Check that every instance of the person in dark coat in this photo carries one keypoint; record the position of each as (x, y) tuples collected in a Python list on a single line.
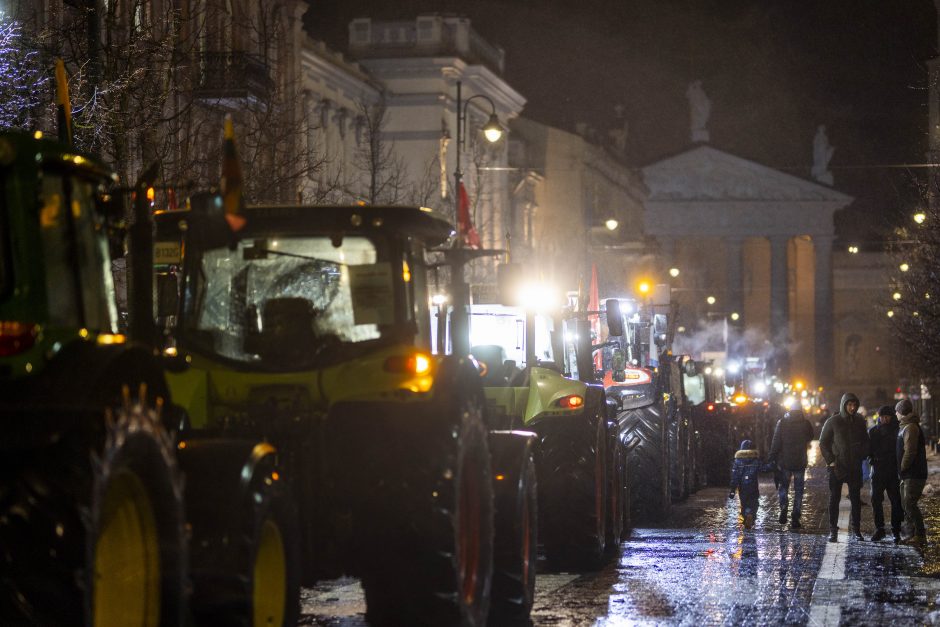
[(744, 479), (912, 468), (788, 452), (844, 444), (883, 438)]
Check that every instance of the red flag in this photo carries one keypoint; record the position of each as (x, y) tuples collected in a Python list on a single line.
[(594, 304), (465, 229)]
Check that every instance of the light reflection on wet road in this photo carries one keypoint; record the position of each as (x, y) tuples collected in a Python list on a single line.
[(701, 569)]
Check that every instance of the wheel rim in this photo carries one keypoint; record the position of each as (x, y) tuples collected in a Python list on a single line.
[(468, 530), (270, 577), (127, 557)]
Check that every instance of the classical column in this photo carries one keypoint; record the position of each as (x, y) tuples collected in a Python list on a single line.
[(823, 307), (779, 301), (733, 246)]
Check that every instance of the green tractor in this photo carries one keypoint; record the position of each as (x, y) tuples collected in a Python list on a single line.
[(581, 457), (92, 527), (308, 328)]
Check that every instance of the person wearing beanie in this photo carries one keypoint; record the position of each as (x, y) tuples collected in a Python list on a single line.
[(844, 444), (744, 479), (788, 453), (911, 453), (883, 457)]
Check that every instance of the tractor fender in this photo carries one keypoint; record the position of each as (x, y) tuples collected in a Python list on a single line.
[(225, 478), (508, 452), (83, 372)]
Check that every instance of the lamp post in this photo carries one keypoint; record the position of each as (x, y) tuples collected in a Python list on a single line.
[(458, 255)]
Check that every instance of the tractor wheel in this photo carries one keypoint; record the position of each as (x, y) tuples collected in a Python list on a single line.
[(516, 551), (617, 503), (435, 563), (275, 574), (649, 463), (573, 493), (136, 547)]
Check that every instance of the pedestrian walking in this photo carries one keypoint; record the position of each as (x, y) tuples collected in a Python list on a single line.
[(844, 444), (912, 468), (788, 454), (744, 478), (883, 438)]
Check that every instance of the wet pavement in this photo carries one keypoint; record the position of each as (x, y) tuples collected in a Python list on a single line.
[(701, 568)]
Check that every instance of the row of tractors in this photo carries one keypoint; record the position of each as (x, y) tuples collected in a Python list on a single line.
[(275, 413), (273, 416)]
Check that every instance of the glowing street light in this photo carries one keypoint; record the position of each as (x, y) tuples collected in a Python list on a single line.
[(890, 313), (611, 224), (643, 287), (673, 272), (920, 217), (710, 300), (896, 296), (904, 267), (735, 316), (853, 249)]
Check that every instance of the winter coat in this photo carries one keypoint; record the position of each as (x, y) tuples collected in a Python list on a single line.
[(911, 449), (844, 442), (883, 439), (791, 437), (744, 472)]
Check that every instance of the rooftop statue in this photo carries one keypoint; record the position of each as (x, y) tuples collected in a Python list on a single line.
[(700, 108), (822, 154)]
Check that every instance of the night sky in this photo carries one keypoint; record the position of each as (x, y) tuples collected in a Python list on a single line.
[(772, 71)]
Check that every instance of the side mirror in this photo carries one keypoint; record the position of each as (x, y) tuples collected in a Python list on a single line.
[(614, 317)]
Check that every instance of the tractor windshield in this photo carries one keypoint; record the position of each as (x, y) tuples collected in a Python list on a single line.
[(286, 301)]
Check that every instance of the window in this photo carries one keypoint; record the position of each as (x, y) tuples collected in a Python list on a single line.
[(287, 301)]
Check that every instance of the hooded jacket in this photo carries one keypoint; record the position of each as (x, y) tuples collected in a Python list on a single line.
[(911, 449), (744, 471), (791, 437), (883, 439), (844, 442)]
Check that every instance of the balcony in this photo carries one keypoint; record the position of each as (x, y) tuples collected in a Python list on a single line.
[(233, 76)]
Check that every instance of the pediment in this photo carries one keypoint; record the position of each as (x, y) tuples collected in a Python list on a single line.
[(708, 174)]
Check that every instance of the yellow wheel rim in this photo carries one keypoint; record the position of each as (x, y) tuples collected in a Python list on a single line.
[(270, 580), (127, 557)]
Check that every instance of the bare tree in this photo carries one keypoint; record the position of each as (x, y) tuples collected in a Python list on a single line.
[(25, 85), (914, 301)]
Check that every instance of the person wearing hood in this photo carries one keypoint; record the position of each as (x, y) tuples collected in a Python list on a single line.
[(883, 456), (744, 479), (844, 444), (911, 452), (788, 452)]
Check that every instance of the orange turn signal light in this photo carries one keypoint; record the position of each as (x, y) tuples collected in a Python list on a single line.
[(418, 363)]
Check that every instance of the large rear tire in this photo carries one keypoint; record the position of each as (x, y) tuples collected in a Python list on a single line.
[(617, 496), (433, 563), (136, 547), (516, 541), (649, 463), (573, 492)]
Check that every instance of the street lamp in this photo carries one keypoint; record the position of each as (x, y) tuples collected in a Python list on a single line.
[(920, 217), (460, 291), (493, 131), (710, 300), (674, 272), (611, 224)]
